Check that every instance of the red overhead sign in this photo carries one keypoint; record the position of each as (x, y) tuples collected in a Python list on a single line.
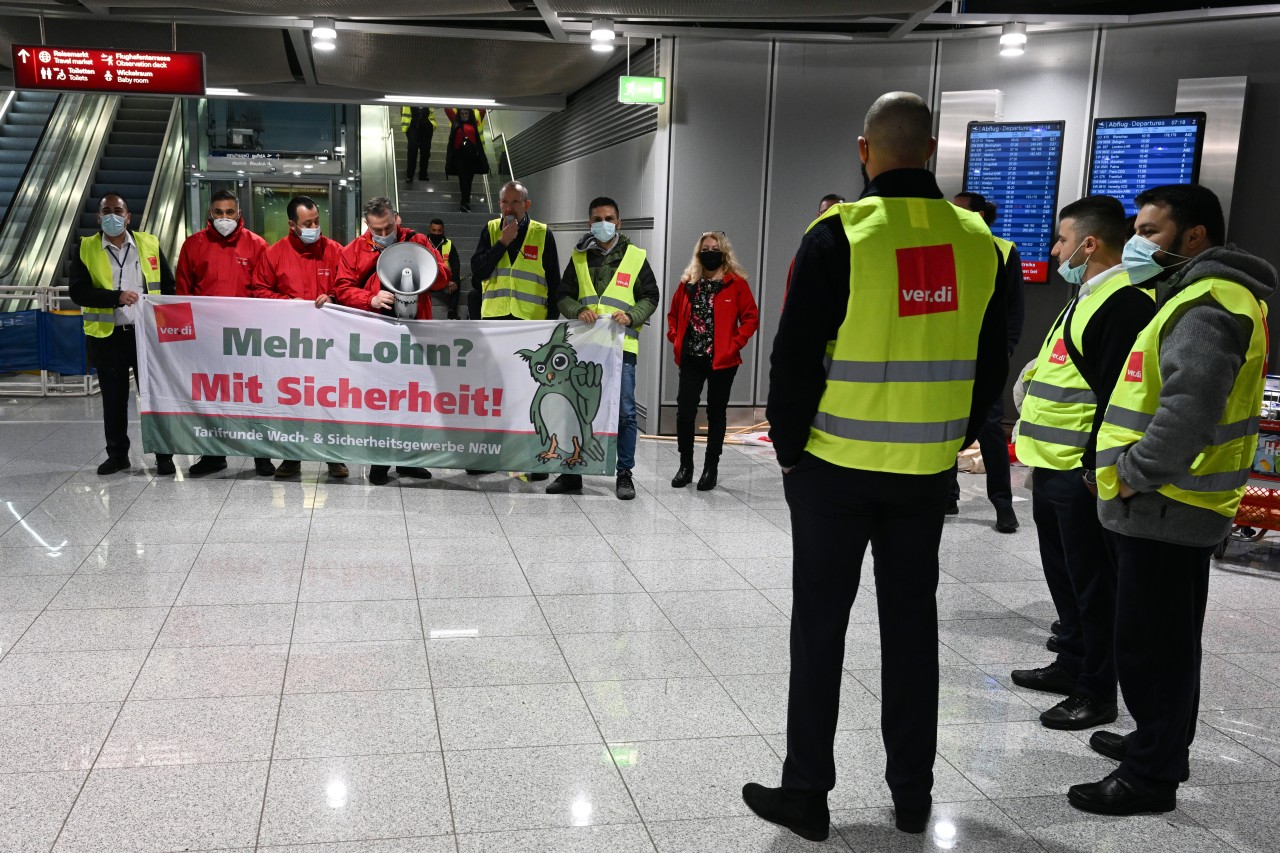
[(82, 69)]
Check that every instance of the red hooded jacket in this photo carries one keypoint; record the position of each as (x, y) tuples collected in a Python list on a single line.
[(212, 265), (736, 320), (358, 279), (291, 269)]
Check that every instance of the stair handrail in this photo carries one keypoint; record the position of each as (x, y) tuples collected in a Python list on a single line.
[(164, 208), (4, 108), (81, 133)]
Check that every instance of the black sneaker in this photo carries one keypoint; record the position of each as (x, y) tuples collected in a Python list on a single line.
[(413, 471), (538, 477), (1006, 520), (803, 812), (626, 488), (208, 465), (378, 474), (564, 484), (264, 467), (1053, 678), (114, 464), (164, 465)]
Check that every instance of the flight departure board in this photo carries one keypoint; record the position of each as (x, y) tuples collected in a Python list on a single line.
[(1134, 154), (1016, 167)]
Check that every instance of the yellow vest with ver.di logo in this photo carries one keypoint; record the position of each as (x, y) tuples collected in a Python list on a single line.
[(620, 295), (517, 289), (1059, 409), (100, 322), (1217, 476), (900, 371)]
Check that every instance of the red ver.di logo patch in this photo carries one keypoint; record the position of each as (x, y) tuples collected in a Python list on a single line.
[(926, 280), (624, 279), (1133, 370), (174, 323), (530, 253), (1059, 354)]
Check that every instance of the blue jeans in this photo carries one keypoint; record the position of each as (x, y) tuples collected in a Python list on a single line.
[(627, 430)]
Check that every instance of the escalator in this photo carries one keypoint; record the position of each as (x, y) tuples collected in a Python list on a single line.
[(20, 132)]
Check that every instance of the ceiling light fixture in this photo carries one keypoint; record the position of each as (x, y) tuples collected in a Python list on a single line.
[(602, 35), (1013, 39), (215, 92), (431, 99), (324, 34)]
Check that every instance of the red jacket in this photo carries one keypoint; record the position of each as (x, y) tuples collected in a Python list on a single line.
[(291, 269), (358, 279), (736, 320), (212, 265)]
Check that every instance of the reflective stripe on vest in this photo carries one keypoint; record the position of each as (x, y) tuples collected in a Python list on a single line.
[(1217, 476), (615, 296), (1059, 409), (100, 322), (900, 372), (517, 289)]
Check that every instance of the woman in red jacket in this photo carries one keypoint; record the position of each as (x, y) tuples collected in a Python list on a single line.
[(712, 316)]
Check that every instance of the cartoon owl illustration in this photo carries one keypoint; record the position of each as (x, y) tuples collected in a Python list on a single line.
[(566, 401)]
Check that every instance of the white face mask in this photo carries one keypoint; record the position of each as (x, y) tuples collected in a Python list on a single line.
[(225, 227), (113, 225), (603, 231), (308, 235)]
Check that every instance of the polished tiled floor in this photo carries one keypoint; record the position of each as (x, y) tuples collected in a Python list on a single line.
[(468, 664)]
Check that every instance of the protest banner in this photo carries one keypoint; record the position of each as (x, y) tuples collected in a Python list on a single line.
[(268, 378)]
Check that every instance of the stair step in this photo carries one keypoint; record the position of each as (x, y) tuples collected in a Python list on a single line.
[(150, 152)]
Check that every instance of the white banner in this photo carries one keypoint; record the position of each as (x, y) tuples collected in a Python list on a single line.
[(270, 378)]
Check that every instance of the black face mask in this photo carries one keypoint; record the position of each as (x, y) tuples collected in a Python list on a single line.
[(437, 240), (711, 259)]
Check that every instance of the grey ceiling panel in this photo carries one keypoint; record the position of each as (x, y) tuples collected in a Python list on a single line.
[(14, 30), (729, 10), (458, 67), (380, 10)]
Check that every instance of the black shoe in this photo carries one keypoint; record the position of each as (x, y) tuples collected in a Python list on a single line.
[(476, 472), (288, 468), (538, 478), (378, 474), (1116, 746), (408, 182), (1055, 628), (1006, 521), (207, 465), (683, 477), (264, 468), (1078, 712), (707, 481), (803, 812), (164, 465), (626, 487), (413, 471), (953, 508), (564, 484), (1110, 744), (1115, 796), (1053, 645), (914, 821), (114, 464), (1053, 678)]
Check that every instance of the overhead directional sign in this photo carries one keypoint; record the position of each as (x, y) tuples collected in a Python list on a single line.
[(82, 69), (642, 90)]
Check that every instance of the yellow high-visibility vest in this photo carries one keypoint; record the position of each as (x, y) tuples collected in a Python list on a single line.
[(100, 322), (900, 371), (619, 295), (519, 288)]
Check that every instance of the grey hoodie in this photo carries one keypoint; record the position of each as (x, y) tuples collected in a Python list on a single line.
[(1202, 350)]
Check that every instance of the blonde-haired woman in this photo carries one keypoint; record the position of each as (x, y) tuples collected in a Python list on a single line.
[(712, 316)]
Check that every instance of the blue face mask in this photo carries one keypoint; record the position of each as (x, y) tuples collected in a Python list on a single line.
[(113, 225), (1073, 275), (309, 235), (1140, 262), (603, 231)]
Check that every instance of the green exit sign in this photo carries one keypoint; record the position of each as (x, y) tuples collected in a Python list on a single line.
[(642, 90)]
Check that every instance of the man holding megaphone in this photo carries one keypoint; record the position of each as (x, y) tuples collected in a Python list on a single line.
[(360, 286)]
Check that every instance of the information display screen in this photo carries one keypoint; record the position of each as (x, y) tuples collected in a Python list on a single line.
[(1130, 155), (1016, 167)]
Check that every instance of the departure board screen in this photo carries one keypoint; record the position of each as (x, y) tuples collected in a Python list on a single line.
[(1016, 167), (1134, 154)]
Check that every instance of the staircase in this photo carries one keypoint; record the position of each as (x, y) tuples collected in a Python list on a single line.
[(128, 162), (20, 133)]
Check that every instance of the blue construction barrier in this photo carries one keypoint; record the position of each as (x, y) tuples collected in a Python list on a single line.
[(40, 340)]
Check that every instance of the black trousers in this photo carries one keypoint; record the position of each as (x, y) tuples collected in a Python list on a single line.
[(464, 187), (113, 357), (994, 445), (835, 512), (694, 374), (418, 144), (1079, 565), (1161, 593)]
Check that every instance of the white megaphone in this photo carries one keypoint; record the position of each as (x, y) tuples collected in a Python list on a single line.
[(407, 270)]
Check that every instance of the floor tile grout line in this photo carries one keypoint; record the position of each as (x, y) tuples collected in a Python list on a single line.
[(123, 702), (431, 686), (284, 675)]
